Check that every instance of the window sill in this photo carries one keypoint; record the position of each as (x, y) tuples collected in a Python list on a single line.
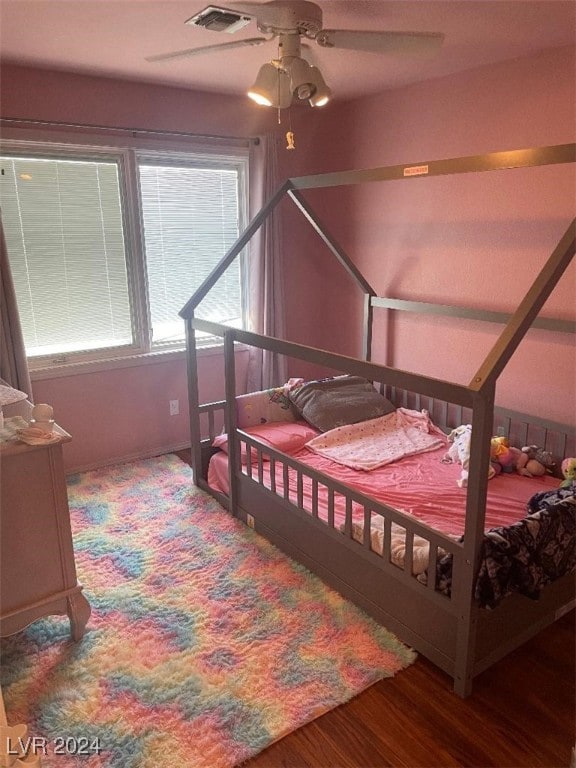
[(130, 361)]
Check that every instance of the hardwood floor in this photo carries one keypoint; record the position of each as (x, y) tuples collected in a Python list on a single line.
[(520, 715)]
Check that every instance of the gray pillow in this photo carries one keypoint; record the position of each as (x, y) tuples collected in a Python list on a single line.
[(330, 403)]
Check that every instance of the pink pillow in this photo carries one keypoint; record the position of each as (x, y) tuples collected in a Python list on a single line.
[(288, 437)]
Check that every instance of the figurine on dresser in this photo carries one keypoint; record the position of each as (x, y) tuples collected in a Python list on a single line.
[(41, 427)]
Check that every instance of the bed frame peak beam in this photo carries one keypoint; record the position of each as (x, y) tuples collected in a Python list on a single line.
[(346, 262), (321, 230), (527, 311), (187, 310), (492, 161)]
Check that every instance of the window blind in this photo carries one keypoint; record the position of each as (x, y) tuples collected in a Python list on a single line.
[(64, 233), (190, 220)]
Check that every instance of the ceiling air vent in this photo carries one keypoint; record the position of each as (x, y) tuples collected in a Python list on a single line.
[(219, 19)]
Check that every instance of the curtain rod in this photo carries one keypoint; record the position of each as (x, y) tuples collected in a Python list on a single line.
[(133, 131)]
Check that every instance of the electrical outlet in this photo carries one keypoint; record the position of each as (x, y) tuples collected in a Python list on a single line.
[(174, 407), (250, 521)]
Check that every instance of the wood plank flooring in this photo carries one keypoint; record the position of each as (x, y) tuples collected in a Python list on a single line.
[(520, 715)]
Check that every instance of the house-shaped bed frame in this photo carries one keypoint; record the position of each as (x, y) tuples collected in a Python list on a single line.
[(453, 632)]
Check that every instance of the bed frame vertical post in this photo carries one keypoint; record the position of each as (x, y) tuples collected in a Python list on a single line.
[(466, 607), (367, 327), (194, 401), (230, 418)]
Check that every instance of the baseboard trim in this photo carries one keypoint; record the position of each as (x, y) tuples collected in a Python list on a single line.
[(126, 458)]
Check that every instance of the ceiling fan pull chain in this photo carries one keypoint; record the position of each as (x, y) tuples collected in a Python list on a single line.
[(278, 81)]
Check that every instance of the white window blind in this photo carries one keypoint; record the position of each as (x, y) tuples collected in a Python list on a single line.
[(191, 219), (64, 231), (106, 245)]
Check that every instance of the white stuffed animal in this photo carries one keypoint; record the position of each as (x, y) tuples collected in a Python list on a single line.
[(459, 452)]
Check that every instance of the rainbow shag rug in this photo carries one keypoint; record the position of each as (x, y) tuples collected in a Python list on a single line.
[(205, 645)]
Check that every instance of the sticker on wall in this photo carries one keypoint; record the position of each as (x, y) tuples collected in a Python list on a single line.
[(416, 170)]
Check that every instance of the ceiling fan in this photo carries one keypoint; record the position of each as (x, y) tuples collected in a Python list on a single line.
[(290, 76)]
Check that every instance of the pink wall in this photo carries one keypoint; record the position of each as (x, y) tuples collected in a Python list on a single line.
[(123, 413), (475, 240), (324, 312), (466, 240), (59, 96)]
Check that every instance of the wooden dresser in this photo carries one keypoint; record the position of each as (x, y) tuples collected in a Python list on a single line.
[(37, 569)]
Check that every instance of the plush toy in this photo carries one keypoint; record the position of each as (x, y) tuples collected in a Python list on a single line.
[(459, 452), (530, 461), (534, 462), (569, 471), (503, 458)]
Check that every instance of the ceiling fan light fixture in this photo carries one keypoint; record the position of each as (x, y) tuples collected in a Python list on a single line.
[(304, 91), (301, 82), (271, 88), (322, 93)]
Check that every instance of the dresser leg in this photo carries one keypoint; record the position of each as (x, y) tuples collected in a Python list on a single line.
[(78, 612)]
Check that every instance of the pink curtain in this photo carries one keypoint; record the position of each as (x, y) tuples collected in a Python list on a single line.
[(13, 362), (265, 268)]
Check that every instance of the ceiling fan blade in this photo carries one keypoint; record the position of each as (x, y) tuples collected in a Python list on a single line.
[(381, 42), (250, 41)]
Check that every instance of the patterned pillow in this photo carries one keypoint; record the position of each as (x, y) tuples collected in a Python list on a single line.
[(263, 407)]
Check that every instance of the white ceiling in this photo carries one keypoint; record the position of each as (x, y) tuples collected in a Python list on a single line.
[(111, 38)]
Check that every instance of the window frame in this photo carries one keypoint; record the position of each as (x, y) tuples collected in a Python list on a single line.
[(128, 156)]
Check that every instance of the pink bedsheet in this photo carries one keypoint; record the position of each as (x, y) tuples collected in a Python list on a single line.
[(419, 485)]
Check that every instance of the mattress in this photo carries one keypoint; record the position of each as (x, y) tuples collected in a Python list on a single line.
[(421, 486)]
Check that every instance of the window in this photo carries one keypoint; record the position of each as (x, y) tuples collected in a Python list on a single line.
[(106, 246)]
